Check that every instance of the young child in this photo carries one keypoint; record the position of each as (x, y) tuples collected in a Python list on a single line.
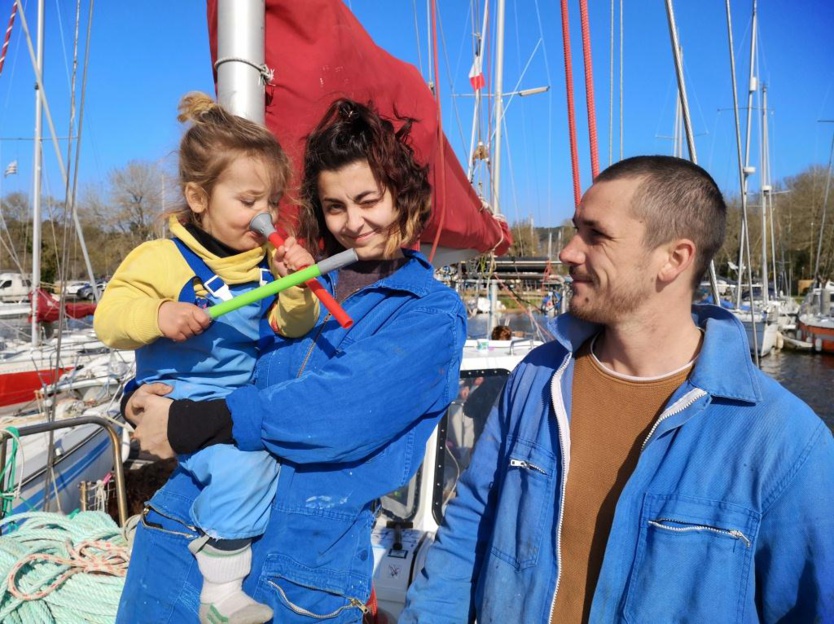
[(230, 169)]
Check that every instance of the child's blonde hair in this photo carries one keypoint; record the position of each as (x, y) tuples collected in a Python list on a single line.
[(215, 138)]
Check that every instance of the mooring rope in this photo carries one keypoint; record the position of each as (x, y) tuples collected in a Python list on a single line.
[(57, 568)]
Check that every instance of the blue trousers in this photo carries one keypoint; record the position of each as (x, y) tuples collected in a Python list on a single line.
[(237, 488)]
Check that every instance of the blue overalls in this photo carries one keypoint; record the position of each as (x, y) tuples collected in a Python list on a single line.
[(237, 486)]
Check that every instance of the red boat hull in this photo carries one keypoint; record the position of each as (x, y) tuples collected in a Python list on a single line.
[(17, 388), (822, 338)]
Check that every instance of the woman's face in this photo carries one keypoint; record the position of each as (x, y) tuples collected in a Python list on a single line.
[(356, 211)]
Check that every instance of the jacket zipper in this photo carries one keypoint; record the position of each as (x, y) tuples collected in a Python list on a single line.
[(685, 401), (520, 463), (564, 444), (686, 527), (353, 603)]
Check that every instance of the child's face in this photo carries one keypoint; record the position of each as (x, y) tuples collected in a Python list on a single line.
[(242, 191)]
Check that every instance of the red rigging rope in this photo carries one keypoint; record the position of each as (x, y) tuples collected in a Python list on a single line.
[(574, 155), (441, 160), (8, 36), (589, 86)]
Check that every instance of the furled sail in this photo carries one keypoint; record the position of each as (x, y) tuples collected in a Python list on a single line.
[(319, 52)]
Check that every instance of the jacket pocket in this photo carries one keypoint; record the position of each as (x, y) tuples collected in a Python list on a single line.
[(523, 499), (693, 561), (321, 596)]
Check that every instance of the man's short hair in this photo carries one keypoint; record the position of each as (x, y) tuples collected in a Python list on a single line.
[(677, 199)]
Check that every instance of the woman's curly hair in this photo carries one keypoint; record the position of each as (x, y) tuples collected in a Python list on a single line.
[(352, 132)]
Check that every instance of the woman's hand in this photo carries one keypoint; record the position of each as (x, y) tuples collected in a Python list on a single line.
[(148, 410)]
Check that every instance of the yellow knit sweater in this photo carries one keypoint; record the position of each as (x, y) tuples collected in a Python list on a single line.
[(155, 272)]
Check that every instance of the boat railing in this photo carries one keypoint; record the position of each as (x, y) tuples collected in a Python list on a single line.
[(115, 443), (522, 342)]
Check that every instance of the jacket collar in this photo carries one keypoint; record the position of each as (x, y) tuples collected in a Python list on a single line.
[(724, 367)]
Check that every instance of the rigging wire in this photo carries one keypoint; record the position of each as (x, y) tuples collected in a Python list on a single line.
[(744, 235), (417, 37), (7, 37), (621, 79), (574, 155), (450, 77), (611, 88), (589, 86), (550, 150), (690, 139), (441, 156), (817, 276)]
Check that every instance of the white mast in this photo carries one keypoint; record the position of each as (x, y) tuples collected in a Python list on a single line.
[(240, 57), (36, 191), (765, 199), (496, 159), (476, 110)]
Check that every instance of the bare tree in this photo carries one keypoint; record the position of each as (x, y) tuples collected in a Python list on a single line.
[(136, 199), (525, 239)]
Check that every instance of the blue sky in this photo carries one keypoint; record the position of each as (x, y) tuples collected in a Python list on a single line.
[(144, 56)]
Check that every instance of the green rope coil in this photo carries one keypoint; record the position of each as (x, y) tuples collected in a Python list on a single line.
[(56, 568)]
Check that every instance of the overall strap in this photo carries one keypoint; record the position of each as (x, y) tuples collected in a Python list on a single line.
[(266, 335), (217, 287), (211, 281)]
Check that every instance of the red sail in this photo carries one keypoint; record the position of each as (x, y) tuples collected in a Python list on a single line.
[(319, 52)]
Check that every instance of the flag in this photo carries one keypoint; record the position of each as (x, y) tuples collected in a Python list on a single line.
[(476, 74), (11, 169)]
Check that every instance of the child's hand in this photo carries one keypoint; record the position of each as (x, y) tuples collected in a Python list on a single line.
[(179, 321), (290, 256)]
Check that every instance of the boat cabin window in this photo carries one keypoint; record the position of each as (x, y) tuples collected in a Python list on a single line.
[(461, 428), (457, 434)]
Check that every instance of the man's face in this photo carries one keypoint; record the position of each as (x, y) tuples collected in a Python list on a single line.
[(613, 273)]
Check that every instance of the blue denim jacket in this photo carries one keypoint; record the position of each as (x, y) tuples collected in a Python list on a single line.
[(348, 412), (728, 516)]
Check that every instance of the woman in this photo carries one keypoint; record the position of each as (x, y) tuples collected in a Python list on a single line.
[(347, 412)]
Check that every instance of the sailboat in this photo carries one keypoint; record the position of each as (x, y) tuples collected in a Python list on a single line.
[(58, 395), (816, 318), (815, 322), (761, 312)]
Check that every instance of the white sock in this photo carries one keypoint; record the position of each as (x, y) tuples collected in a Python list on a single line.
[(222, 599)]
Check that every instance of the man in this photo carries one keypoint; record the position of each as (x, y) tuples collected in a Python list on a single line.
[(639, 468)]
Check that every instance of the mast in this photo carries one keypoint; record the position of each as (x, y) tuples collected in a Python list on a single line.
[(687, 124), (241, 73), (499, 121), (479, 51), (36, 191), (765, 199)]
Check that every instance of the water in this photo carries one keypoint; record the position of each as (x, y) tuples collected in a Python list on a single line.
[(810, 376)]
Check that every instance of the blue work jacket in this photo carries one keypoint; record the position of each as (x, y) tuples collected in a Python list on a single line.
[(728, 516), (348, 412)]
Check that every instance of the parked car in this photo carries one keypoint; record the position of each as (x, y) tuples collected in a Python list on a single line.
[(71, 288), (14, 287), (86, 291)]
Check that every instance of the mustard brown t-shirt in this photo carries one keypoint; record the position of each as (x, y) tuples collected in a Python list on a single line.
[(611, 415)]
